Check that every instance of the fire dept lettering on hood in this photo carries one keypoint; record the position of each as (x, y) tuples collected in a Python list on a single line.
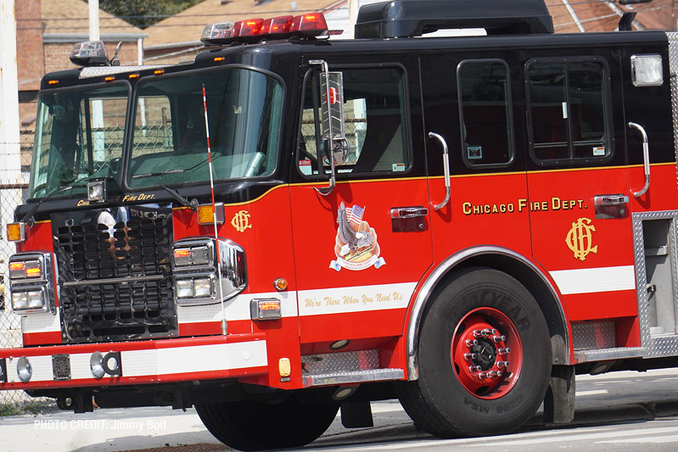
[(523, 205), (355, 246)]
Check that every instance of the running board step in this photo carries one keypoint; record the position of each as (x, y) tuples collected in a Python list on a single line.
[(360, 376), (605, 354)]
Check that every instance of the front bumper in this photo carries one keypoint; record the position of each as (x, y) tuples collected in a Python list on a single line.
[(141, 362)]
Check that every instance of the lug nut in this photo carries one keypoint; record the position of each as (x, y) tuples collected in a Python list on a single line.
[(494, 331), (471, 342), (468, 356), (486, 332), (504, 351), (482, 375), (474, 368), (498, 339), (501, 364)]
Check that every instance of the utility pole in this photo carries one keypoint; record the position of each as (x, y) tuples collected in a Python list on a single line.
[(94, 20), (10, 149)]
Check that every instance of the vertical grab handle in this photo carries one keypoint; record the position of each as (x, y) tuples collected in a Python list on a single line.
[(646, 159), (446, 170)]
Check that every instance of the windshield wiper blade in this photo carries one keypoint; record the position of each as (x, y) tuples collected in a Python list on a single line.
[(29, 215), (160, 173), (192, 204)]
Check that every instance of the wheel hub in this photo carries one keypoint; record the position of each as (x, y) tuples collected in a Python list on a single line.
[(480, 353)]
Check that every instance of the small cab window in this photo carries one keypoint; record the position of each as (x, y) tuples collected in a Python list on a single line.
[(485, 113), (568, 118), (376, 126)]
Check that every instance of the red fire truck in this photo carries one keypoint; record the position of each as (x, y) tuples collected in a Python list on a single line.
[(290, 225)]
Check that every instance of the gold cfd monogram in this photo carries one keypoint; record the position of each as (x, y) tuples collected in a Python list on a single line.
[(580, 239), (241, 221)]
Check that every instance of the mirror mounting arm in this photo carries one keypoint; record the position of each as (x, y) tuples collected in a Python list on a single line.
[(324, 191)]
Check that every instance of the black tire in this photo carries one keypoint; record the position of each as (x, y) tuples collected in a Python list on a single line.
[(448, 401), (254, 425)]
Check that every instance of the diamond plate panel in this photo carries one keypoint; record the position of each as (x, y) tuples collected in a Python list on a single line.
[(594, 335), (338, 363)]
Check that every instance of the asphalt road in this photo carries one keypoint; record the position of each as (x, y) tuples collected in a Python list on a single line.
[(622, 411)]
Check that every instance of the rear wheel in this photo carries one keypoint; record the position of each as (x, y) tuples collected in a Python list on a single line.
[(484, 358), (259, 425)]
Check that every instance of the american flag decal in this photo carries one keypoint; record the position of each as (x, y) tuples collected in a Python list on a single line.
[(355, 215)]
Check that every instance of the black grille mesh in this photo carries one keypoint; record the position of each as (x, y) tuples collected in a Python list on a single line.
[(115, 274)]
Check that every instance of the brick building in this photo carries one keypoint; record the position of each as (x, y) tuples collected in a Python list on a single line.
[(46, 33)]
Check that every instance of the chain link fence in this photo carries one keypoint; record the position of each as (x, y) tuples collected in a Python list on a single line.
[(12, 191)]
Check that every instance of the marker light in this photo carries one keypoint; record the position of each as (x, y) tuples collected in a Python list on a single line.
[(310, 25), (25, 269), (16, 232), (206, 213), (196, 255), (265, 309)]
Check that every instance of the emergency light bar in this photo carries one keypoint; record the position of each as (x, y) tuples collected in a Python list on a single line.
[(255, 30), (90, 53)]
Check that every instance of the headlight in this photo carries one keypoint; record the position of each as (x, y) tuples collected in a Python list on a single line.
[(19, 301), (31, 283), (198, 287), (29, 300)]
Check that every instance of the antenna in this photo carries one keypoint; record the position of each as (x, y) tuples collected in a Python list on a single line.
[(214, 213)]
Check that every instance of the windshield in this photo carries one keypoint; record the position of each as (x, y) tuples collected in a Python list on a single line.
[(170, 138), (79, 137)]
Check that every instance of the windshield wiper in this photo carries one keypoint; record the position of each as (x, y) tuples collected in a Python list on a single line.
[(192, 204), (29, 215), (160, 173)]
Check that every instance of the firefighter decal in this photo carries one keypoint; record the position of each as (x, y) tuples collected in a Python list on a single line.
[(356, 246)]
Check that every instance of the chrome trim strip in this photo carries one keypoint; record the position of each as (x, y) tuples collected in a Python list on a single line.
[(429, 285), (354, 377), (127, 279)]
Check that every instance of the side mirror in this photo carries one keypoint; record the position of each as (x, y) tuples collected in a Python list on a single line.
[(333, 127)]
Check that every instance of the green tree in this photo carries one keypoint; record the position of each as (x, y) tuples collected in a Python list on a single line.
[(144, 13)]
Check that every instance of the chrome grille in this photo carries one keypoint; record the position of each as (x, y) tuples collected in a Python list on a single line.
[(114, 273)]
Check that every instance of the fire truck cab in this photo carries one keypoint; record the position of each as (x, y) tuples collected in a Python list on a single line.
[(290, 225)]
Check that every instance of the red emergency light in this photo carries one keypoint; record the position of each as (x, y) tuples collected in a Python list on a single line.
[(278, 26), (256, 30), (248, 30)]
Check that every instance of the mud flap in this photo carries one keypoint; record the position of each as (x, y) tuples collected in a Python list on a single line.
[(559, 400)]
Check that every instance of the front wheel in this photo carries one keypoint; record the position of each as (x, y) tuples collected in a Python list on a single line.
[(259, 425), (484, 358)]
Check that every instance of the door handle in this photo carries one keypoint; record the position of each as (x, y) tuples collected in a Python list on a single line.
[(446, 170), (646, 159), (610, 206), (408, 212), (610, 200)]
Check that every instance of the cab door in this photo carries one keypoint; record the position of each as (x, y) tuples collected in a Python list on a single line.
[(579, 195), (362, 245)]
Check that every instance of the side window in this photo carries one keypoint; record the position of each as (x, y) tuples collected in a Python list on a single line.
[(376, 125), (568, 118), (485, 113), (153, 125)]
